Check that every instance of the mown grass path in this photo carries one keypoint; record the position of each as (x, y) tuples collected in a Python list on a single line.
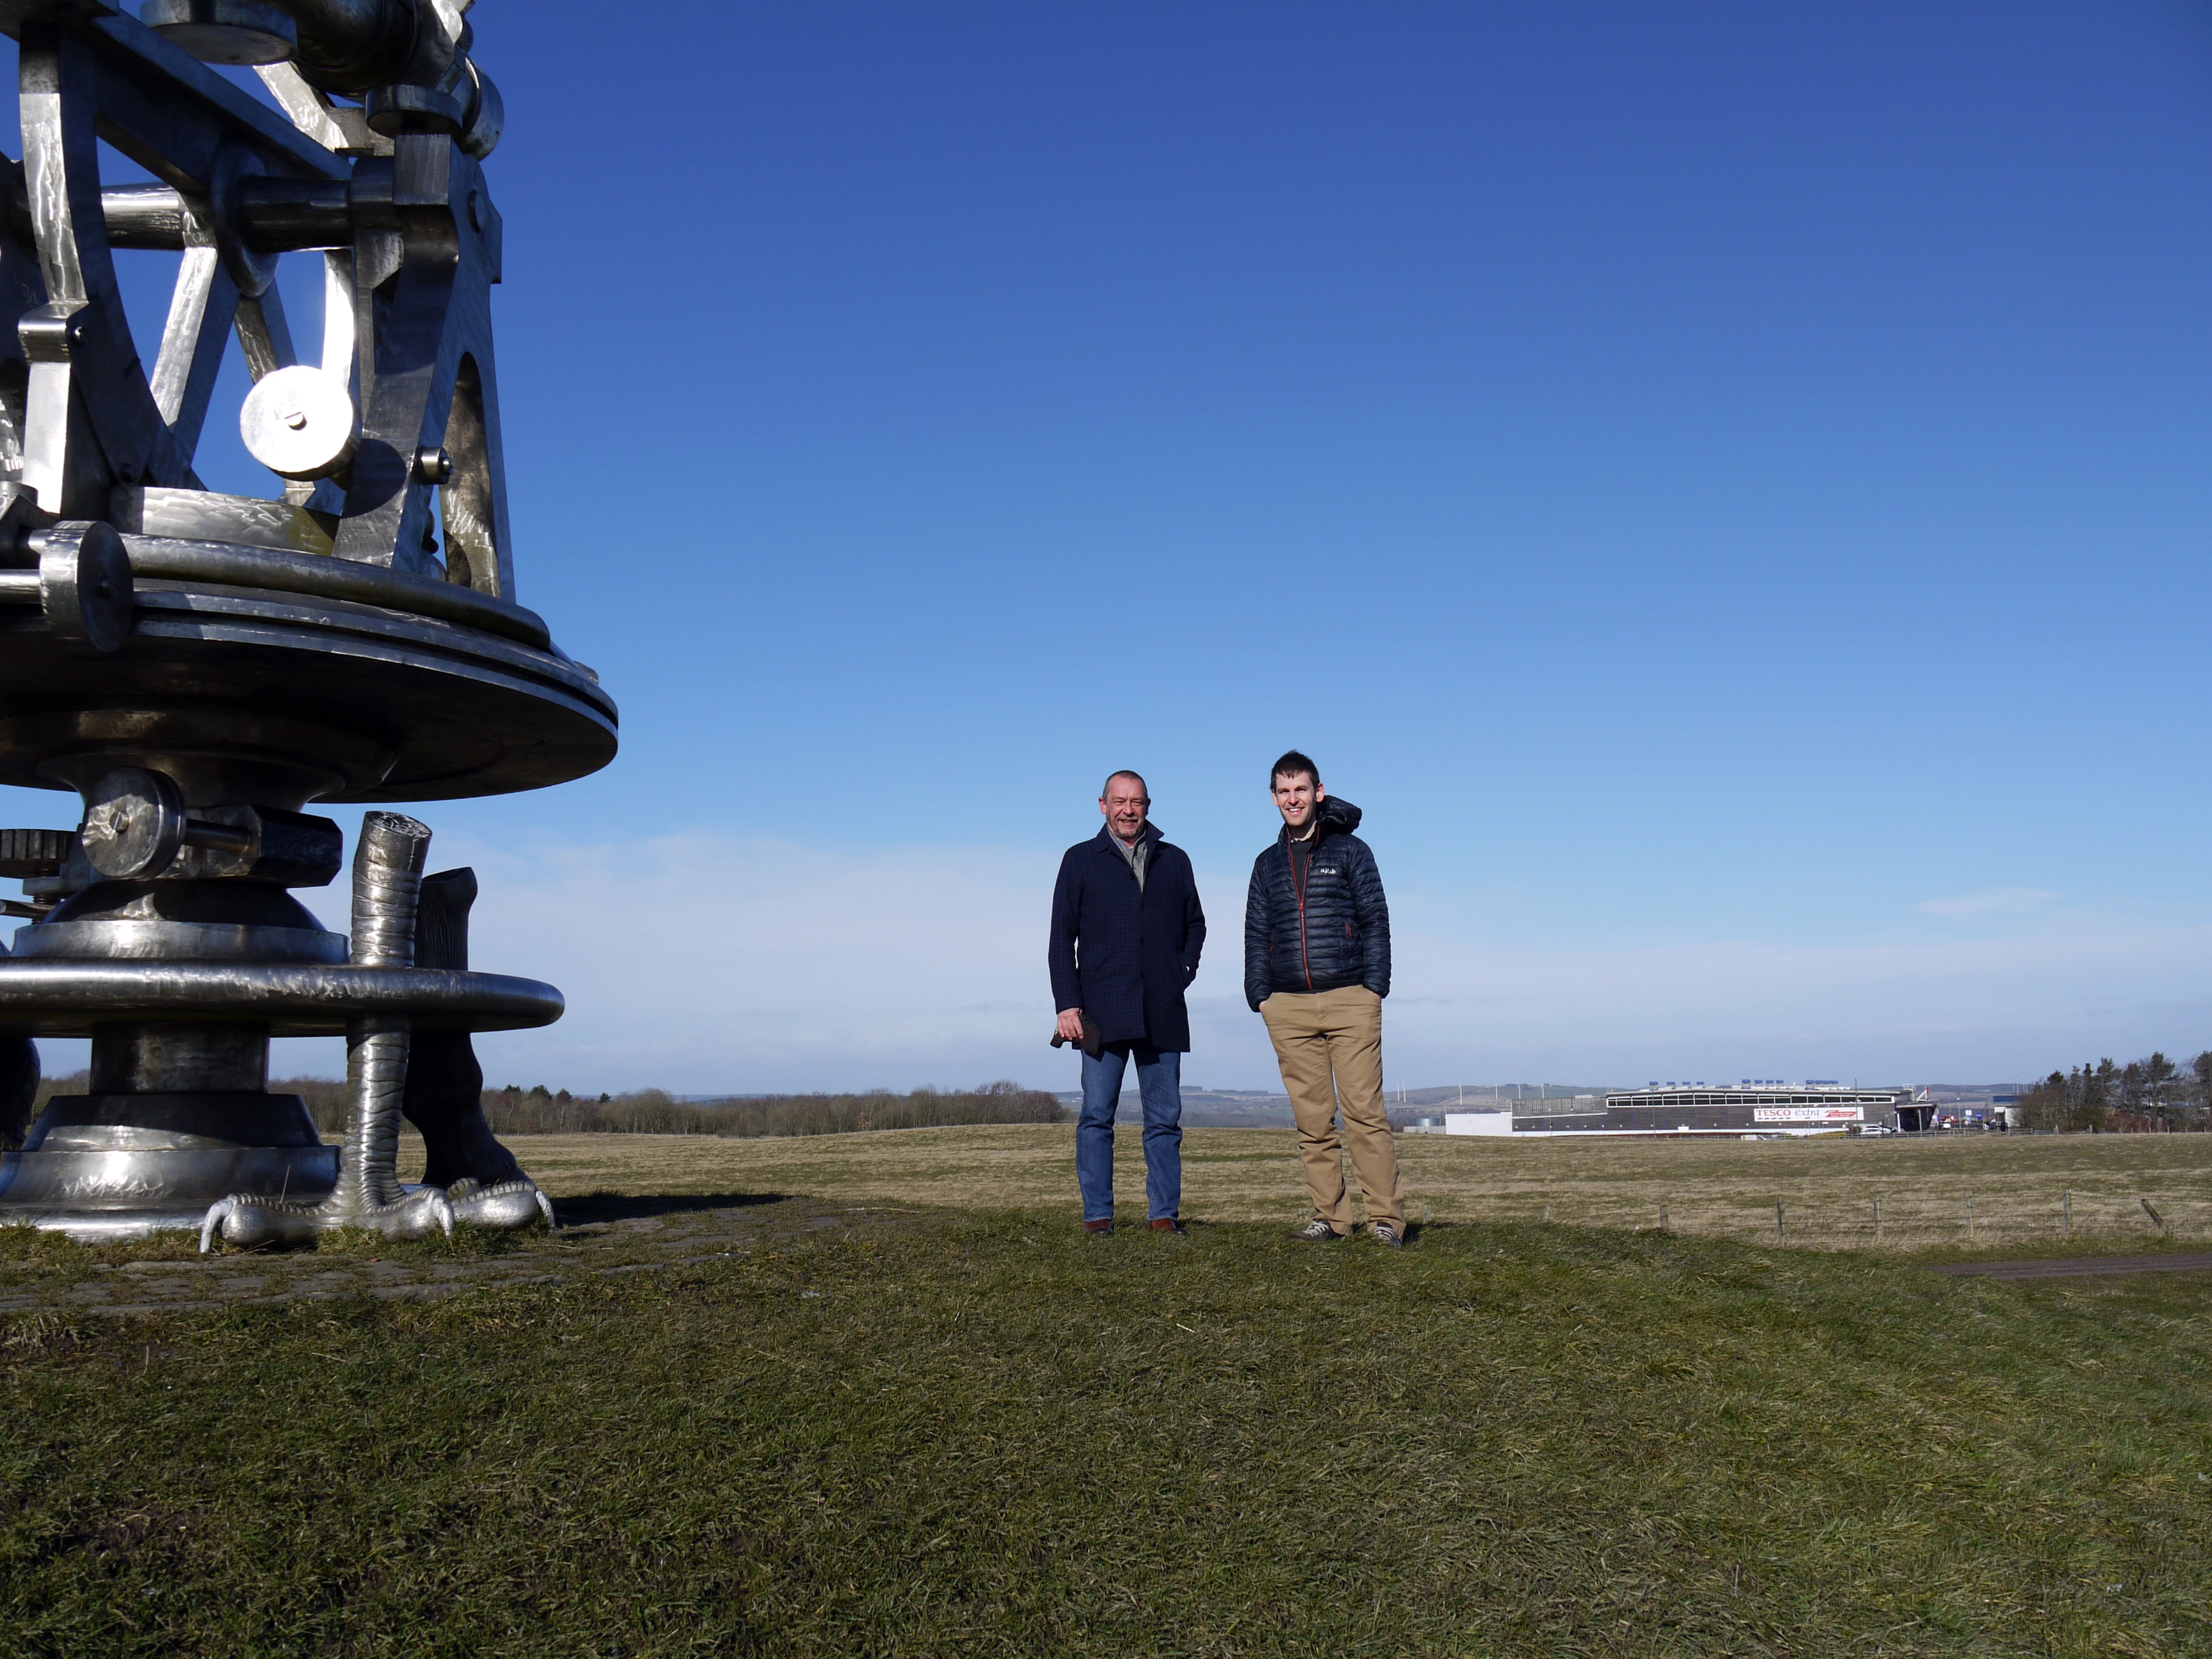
[(983, 1434)]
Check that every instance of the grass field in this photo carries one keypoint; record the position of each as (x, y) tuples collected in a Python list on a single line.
[(930, 1430), (1717, 1188)]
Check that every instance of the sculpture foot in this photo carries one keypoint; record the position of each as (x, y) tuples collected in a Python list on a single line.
[(248, 1222), (504, 1205)]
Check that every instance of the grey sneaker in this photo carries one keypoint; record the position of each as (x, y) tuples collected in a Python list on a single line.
[(1317, 1231), (1384, 1233)]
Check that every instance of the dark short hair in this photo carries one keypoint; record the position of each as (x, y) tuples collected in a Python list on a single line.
[(1107, 787), (1293, 762)]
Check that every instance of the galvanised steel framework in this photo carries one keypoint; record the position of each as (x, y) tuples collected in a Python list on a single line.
[(202, 668)]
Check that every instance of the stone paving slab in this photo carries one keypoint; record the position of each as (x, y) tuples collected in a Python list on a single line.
[(597, 1245)]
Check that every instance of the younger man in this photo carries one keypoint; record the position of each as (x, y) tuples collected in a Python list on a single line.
[(1316, 969)]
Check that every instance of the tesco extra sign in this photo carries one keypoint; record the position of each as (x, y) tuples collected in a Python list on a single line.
[(1807, 1115)]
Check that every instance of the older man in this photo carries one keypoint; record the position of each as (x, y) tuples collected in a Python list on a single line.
[(1126, 930)]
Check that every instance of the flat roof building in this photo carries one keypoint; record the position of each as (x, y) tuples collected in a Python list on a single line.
[(1699, 1108)]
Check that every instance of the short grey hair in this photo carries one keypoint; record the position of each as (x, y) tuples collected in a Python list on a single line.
[(1107, 787)]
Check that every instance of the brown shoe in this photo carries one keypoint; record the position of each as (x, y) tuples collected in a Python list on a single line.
[(1098, 1226), (1168, 1223)]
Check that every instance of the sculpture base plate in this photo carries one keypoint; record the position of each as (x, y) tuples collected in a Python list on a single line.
[(120, 1166), (104, 1226)]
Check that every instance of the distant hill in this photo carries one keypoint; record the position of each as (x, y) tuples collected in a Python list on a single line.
[(1210, 1109)]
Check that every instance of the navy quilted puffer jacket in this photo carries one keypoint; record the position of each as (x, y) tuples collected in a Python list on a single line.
[(1335, 933)]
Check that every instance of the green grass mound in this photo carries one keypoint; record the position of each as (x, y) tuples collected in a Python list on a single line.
[(962, 1436)]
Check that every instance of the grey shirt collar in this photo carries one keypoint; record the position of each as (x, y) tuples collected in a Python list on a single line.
[(1135, 857)]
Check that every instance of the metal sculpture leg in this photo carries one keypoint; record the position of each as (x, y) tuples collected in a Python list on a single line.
[(445, 1086), (19, 1088), (387, 878)]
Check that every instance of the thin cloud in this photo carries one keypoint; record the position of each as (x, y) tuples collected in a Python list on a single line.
[(1997, 902)]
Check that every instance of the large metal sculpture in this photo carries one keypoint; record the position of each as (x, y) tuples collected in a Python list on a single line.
[(201, 668)]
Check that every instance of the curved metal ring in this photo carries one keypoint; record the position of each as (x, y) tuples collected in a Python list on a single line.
[(173, 559), (251, 272), (54, 997), (487, 118)]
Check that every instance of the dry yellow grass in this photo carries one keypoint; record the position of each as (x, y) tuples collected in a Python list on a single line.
[(1718, 1187)]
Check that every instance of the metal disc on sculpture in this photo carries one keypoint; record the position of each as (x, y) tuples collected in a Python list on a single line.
[(327, 699), (236, 32), (298, 422), (134, 823)]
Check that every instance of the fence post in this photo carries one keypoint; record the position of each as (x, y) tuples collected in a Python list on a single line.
[(1877, 1218), (2070, 1212), (1778, 1236), (1662, 1215), (2156, 1219), (1970, 1217), (1547, 1212)]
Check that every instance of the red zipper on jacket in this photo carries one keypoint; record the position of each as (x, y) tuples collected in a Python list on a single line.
[(1298, 887)]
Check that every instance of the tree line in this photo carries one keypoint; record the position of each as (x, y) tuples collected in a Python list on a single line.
[(2155, 1095), (540, 1110)]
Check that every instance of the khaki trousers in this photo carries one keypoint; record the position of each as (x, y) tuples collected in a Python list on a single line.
[(1330, 1044)]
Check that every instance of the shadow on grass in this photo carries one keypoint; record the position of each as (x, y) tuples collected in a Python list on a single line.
[(631, 1206)]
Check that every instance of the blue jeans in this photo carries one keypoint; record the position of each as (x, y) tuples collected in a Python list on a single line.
[(1159, 1086)]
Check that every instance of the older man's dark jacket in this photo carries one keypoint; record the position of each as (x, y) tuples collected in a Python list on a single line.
[(1123, 954), (1332, 932)]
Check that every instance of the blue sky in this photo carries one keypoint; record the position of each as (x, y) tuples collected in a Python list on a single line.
[(1723, 487)]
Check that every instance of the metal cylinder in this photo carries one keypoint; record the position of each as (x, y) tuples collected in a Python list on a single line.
[(282, 216), (274, 215), (143, 215), (387, 888), (353, 46), (179, 1059)]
